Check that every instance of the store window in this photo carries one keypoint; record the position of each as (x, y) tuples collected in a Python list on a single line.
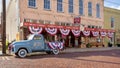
[(63, 23), (57, 23), (47, 4), (100, 27), (93, 26), (70, 6), (81, 7), (47, 22), (33, 21), (41, 21), (59, 5), (89, 26), (97, 10), (89, 8), (26, 20), (32, 3), (68, 24)]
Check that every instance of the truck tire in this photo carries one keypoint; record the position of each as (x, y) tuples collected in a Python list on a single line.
[(22, 53), (55, 51), (48, 52), (16, 54)]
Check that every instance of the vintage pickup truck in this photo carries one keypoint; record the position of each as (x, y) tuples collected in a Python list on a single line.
[(35, 43)]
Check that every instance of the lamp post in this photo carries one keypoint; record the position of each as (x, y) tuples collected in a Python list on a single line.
[(4, 26)]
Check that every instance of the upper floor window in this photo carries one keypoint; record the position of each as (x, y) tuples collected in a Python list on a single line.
[(46, 4), (32, 3), (89, 8), (112, 22), (81, 7), (59, 5), (97, 10), (70, 6)]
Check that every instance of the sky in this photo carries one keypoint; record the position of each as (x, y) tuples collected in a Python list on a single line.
[(108, 3), (112, 4)]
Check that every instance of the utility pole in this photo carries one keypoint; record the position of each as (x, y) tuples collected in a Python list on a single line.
[(4, 26)]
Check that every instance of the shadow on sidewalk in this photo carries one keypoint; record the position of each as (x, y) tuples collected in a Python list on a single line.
[(112, 53), (74, 56)]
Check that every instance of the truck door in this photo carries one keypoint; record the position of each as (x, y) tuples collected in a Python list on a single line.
[(38, 43)]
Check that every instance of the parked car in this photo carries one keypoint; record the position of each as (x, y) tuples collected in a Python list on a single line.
[(35, 43)]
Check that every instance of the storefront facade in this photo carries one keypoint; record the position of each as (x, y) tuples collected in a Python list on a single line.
[(112, 19), (70, 21)]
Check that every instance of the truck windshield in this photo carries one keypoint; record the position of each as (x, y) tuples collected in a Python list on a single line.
[(30, 37)]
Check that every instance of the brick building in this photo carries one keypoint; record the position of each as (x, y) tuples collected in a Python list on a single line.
[(0, 27), (23, 16)]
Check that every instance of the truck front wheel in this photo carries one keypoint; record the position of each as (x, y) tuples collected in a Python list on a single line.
[(55, 51), (22, 53)]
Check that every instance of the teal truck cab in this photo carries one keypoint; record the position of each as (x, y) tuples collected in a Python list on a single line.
[(35, 43)]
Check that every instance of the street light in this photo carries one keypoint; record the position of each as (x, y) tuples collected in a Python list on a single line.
[(4, 26)]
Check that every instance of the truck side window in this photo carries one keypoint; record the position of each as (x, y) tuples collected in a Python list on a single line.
[(37, 37)]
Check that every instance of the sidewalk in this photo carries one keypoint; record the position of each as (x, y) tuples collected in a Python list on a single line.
[(69, 50)]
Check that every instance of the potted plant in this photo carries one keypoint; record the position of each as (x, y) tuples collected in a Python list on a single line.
[(88, 45), (109, 44), (118, 45)]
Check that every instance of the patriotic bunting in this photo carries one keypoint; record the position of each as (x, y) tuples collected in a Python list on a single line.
[(86, 33), (103, 34), (54, 45), (76, 33), (35, 30), (51, 31), (95, 33), (65, 31), (110, 34)]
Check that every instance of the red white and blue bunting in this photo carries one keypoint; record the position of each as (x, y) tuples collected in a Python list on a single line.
[(54, 45), (95, 33), (103, 34), (76, 33), (51, 31), (110, 34), (65, 31), (86, 33), (35, 30)]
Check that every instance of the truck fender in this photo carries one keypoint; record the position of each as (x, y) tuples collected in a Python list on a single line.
[(28, 49)]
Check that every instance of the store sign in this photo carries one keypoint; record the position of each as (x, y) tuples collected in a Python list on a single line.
[(33, 24), (77, 20), (49, 26)]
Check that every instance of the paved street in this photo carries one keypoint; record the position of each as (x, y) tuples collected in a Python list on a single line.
[(91, 59)]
